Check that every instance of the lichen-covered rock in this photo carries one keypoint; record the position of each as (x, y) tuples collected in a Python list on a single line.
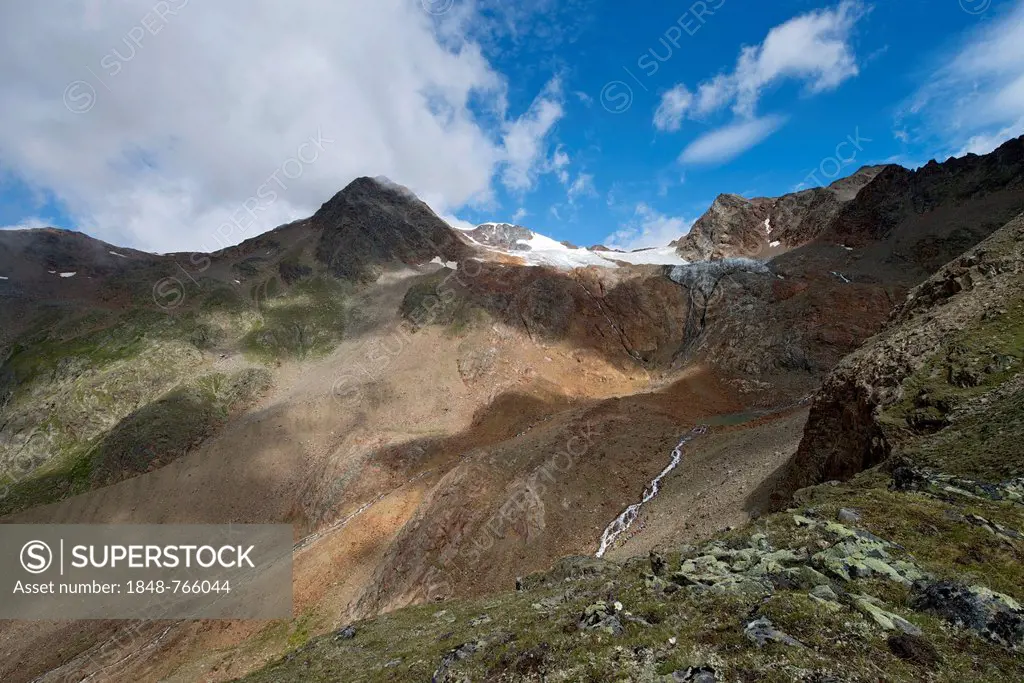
[(601, 616), (870, 607), (826, 597), (802, 577), (906, 477), (994, 528), (847, 516), (658, 563), (862, 555), (996, 617), (762, 631), (694, 674), (442, 674)]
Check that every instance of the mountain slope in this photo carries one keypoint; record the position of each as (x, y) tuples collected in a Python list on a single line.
[(953, 350), (910, 220), (436, 418), (911, 571)]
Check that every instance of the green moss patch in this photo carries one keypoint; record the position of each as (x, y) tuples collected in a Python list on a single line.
[(941, 421), (307, 320), (437, 300), (987, 444), (148, 438)]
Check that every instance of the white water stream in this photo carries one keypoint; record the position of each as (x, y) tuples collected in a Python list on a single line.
[(629, 515)]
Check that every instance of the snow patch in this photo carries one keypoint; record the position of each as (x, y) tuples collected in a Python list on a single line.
[(659, 256), (114, 253), (451, 265), (72, 274), (540, 250), (842, 277), (544, 251), (4, 278), (774, 244), (768, 225)]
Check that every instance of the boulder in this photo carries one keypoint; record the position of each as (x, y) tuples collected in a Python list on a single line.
[(994, 616), (762, 631), (870, 607)]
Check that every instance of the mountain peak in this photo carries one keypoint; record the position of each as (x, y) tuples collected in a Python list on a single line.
[(373, 221), (505, 236)]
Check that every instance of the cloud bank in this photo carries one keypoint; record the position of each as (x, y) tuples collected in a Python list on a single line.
[(158, 124)]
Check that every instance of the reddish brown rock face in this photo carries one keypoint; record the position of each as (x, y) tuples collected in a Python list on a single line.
[(765, 226)]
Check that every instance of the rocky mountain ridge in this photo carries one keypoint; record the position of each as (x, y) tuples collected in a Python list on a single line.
[(738, 227), (913, 218)]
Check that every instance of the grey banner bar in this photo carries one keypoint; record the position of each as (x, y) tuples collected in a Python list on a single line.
[(231, 571)]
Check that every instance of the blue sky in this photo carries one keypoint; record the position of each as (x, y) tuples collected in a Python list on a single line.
[(587, 120)]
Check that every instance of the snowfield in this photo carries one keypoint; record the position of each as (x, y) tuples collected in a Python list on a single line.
[(541, 250)]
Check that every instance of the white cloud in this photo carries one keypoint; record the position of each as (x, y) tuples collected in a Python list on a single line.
[(674, 104), (520, 214), (559, 164), (32, 223), (559, 159), (974, 100), (525, 138), (649, 228), (714, 94), (190, 113), (730, 141), (983, 143), (457, 223), (583, 186), (583, 97), (813, 48)]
